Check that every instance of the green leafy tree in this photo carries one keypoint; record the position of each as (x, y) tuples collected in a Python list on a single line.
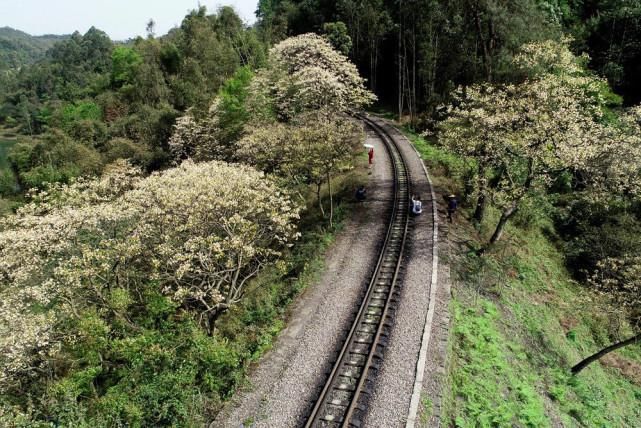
[(337, 34), (53, 158), (125, 64)]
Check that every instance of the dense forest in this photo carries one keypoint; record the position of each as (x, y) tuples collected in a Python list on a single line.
[(19, 48), (125, 303)]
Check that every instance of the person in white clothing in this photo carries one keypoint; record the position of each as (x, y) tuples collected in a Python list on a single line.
[(417, 205)]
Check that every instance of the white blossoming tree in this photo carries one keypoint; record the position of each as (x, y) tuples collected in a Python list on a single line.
[(309, 150), (526, 134), (305, 73), (195, 234), (195, 139)]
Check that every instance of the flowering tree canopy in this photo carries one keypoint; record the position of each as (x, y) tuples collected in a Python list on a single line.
[(306, 73), (195, 234), (528, 133), (195, 139), (308, 150)]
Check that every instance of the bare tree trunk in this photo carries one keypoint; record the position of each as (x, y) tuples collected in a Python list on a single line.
[(400, 63), (592, 358), (214, 315), (509, 212), (479, 211), (500, 227), (481, 202), (318, 198), (331, 201)]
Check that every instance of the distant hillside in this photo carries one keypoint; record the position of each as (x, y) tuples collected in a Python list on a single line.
[(18, 48)]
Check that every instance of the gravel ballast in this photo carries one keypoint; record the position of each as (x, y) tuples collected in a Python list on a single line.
[(389, 404), (285, 382)]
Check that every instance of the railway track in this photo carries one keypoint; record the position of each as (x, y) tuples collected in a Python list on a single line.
[(342, 400)]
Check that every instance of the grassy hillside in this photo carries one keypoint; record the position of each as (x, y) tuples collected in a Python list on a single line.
[(520, 322), (18, 48)]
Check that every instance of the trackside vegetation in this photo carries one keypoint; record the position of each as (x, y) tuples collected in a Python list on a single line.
[(520, 321)]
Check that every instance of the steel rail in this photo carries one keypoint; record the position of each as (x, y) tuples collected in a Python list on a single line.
[(338, 403)]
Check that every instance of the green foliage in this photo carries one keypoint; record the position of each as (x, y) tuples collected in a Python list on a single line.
[(125, 62), (231, 107), (123, 148), (591, 232), (54, 158), (8, 184), (338, 36), (97, 92), (512, 341)]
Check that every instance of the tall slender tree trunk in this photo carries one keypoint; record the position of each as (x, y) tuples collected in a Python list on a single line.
[(331, 200), (487, 61), (592, 358), (414, 73), (372, 80), (400, 62), (375, 75), (318, 197), (433, 65)]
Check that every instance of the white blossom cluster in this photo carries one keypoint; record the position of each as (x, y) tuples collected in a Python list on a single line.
[(197, 233), (531, 131), (306, 73)]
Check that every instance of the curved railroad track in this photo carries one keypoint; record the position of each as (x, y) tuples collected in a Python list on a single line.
[(342, 400)]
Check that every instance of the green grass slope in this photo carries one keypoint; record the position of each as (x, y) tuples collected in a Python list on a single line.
[(520, 323)]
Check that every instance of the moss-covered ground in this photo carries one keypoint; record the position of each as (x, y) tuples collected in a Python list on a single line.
[(520, 322)]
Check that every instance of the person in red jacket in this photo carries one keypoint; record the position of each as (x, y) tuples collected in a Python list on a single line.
[(370, 155)]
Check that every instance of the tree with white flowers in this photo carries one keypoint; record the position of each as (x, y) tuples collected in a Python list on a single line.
[(308, 150), (305, 73), (527, 134), (195, 234)]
